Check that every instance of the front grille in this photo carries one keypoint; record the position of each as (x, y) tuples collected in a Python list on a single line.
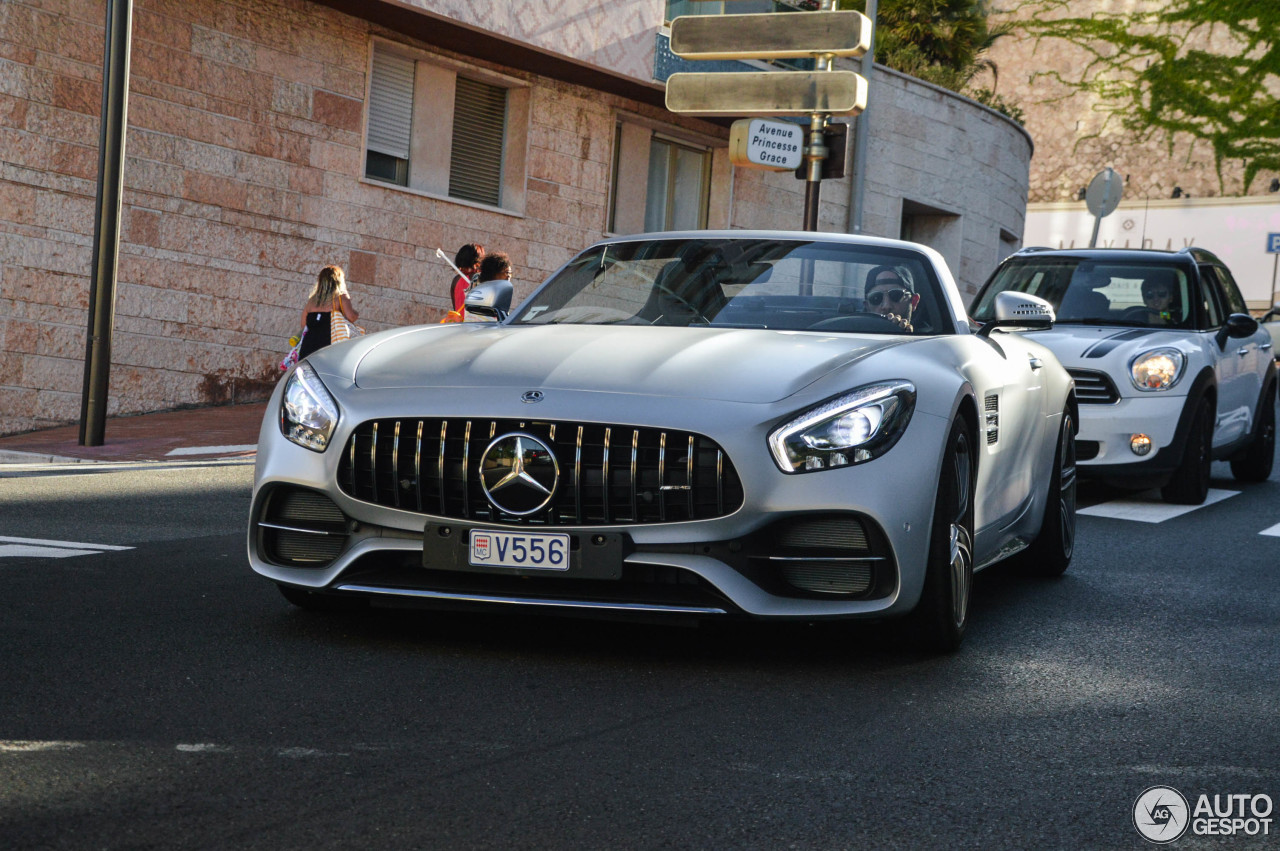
[(301, 528), (609, 474), (1094, 388)]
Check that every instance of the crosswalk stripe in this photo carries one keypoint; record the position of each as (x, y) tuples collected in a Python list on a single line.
[(28, 551), (1147, 507), (42, 542)]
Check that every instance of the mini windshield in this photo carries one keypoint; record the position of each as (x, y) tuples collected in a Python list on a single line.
[(1092, 292), (745, 283)]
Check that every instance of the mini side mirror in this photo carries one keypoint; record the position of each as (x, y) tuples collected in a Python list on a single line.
[(1237, 325), (1019, 310)]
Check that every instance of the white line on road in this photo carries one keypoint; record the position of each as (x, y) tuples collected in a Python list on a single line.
[(40, 548), (212, 450), (41, 542), (1147, 507), (1273, 531)]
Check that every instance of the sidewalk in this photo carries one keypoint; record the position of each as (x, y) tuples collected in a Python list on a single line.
[(201, 434)]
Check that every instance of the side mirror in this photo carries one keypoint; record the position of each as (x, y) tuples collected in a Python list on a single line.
[(491, 298), (1019, 310), (1238, 325)]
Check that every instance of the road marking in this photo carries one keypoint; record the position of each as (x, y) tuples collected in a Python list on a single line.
[(1147, 507), (1273, 531), (41, 548), (213, 450)]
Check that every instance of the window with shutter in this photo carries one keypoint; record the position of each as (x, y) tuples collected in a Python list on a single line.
[(390, 117), (479, 129)]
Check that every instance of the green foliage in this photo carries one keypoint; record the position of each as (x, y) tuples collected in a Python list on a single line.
[(943, 42), (1155, 73)]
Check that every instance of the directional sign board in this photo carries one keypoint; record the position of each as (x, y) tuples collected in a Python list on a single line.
[(770, 36), (772, 145), (767, 93)]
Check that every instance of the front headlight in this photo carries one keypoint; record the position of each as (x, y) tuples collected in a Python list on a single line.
[(308, 414), (848, 429), (1158, 369)]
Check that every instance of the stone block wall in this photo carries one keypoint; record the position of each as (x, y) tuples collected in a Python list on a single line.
[(243, 178), (1075, 137)]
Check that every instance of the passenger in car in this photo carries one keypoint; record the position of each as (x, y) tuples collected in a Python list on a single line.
[(889, 295)]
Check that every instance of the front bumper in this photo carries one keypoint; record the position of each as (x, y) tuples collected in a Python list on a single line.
[(845, 543), (1103, 443)]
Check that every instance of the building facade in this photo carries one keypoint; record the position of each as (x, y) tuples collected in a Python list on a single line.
[(268, 139)]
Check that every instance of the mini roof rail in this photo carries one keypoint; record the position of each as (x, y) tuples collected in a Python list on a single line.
[(1027, 249)]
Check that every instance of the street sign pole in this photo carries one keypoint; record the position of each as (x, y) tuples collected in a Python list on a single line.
[(814, 154), (823, 34)]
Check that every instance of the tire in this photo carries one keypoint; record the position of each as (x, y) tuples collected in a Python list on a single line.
[(1254, 463), (316, 601), (1190, 482), (942, 615), (1051, 551)]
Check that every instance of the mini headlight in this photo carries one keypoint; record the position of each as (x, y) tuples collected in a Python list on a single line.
[(848, 429), (308, 414), (1158, 369)]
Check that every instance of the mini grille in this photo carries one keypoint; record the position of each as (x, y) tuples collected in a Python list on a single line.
[(1094, 388), (609, 474)]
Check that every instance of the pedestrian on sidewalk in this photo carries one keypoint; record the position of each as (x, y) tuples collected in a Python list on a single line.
[(495, 269), (468, 261), (329, 294)]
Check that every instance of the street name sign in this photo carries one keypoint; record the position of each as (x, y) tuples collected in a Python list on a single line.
[(765, 93), (772, 145), (790, 35)]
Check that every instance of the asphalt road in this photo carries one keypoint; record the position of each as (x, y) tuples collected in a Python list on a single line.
[(164, 696)]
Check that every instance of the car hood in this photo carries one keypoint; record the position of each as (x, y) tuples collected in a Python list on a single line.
[(734, 365), (1083, 345)]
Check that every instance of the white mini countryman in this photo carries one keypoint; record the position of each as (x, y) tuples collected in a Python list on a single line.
[(1171, 371), (705, 424)]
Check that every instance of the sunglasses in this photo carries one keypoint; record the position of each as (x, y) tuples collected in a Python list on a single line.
[(877, 298)]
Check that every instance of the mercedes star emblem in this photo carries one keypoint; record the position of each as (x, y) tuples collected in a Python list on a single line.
[(531, 396), (519, 473)]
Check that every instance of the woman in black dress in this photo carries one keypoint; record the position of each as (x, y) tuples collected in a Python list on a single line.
[(328, 295)]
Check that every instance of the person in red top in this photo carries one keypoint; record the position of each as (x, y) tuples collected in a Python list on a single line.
[(468, 262)]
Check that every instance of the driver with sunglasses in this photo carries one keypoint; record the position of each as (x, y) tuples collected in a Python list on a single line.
[(890, 296)]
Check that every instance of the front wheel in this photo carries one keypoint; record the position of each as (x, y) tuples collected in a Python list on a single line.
[(1050, 553), (1190, 482), (941, 616), (1254, 463)]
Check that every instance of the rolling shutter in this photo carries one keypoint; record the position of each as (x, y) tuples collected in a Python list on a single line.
[(479, 129), (390, 104)]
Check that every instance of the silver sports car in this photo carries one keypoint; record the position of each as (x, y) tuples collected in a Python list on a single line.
[(763, 424)]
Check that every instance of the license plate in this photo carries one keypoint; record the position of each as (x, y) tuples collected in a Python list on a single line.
[(533, 550)]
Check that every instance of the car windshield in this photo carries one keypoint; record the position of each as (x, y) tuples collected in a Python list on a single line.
[(787, 284), (1092, 292)]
